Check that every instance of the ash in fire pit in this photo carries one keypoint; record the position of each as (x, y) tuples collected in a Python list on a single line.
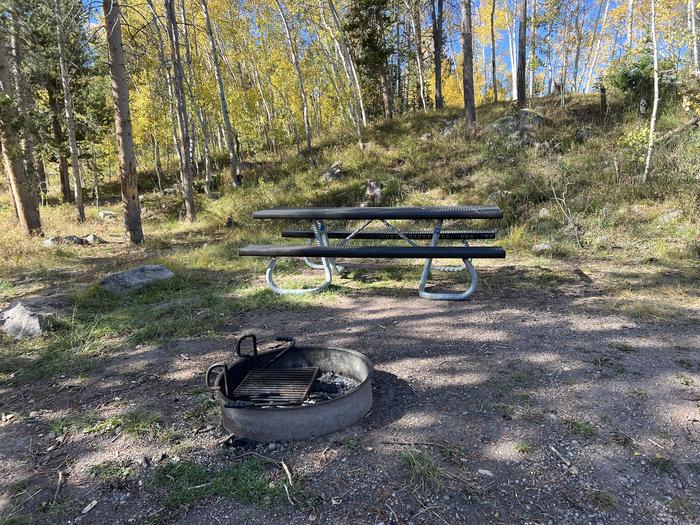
[(329, 385)]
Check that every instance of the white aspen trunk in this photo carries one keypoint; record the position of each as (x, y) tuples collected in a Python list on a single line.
[(655, 109), (533, 48), (630, 16), (205, 151), (494, 78), (594, 61), (189, 84), (350, 61), (414, 18), (228, 128), (694, 19), (23, 200), (183, 118), (513, 56), (577, 55), (69, 114), (122, 121), (171, 91), (297, 68)]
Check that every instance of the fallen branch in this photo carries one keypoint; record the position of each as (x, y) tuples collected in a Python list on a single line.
[(680, 129), (566, 461)]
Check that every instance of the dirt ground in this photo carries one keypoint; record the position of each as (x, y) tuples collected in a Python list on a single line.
[(522, 407)]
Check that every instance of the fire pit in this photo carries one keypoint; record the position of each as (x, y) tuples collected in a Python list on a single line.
[(291, 392)]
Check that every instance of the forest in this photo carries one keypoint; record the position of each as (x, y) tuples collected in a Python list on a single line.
[(138, 140)]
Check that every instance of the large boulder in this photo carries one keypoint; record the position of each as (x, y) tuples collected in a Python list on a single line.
[(136, 278), (505, 125), (32, 316), (106, 214), (526, 121)]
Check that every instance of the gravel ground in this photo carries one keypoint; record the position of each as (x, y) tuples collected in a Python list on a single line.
[(527, 406)]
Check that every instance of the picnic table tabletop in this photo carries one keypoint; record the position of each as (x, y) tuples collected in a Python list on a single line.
[(407, 213)]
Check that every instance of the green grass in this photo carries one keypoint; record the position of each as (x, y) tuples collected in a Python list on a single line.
[(601, 499), (523, 447), (135, 423), (422, 468), (580, 428), (662, 465), (184, 483), (113, 473)]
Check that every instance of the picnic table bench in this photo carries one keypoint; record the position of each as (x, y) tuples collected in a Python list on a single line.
[(319, 245)]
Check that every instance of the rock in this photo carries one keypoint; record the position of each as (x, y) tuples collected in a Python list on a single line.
[(505, 125), (68, 239), (671, 216), (106, 214), (136, 278), (93, 239), (333, 173), (373, 193), (529, 120), (544, 213), (450, 127), (33, 414), (32, 316), (170, 191), (543, 247), (485, 472), (498, 195), (583, 134), (425, 137)]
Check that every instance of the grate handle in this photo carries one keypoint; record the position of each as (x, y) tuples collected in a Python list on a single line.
[(248, 334), (208, 377)]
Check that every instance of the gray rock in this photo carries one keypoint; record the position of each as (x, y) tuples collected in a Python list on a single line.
[(373, 192), (529, 120), (106, 214), (32, 316), (136, 278), (505, 125), (498, 195), (450, 127), (544, 213), (583, 134), (425, 137), (335, 172), (543, 247), (671, 216), (68, 239), (93, 239)]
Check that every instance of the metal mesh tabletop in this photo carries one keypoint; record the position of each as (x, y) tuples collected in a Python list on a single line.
[(426, 212)]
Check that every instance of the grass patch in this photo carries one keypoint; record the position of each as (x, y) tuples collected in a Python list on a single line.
[(523, 447), (623, 347), (580, 428), (351, 444), (682, 507), (114, 474), (422, 468), (601, 499), (185, 483), (662, 465)]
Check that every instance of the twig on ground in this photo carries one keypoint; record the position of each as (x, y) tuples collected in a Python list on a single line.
[(413, 443), (289, 498), (396, 518), (655, 443), (288, 473), (566, 461), (58, 485)]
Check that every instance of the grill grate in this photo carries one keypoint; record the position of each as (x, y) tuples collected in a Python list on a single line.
[(276, 386)]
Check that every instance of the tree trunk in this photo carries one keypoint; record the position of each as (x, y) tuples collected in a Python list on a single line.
[(694, 18), (69, 113), (522, 52), (24, 105), (228, 128), (468, 63), (122, 122), (188, 78), (436, 14), (297, 68), (24, 200), (387, 99), (494, 78), (414, 16), (169, 84), (533, 48), (513, 57), (156, 163), (630, 15), (654, 111), (183, 119), (594, 60)]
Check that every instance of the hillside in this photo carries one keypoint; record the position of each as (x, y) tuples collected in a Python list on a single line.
[(582, 344)]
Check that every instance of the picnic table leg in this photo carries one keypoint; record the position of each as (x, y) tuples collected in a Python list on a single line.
[(445, 296), (298, 291)]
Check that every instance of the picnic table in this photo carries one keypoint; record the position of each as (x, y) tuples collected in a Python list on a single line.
[(319, 243)]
